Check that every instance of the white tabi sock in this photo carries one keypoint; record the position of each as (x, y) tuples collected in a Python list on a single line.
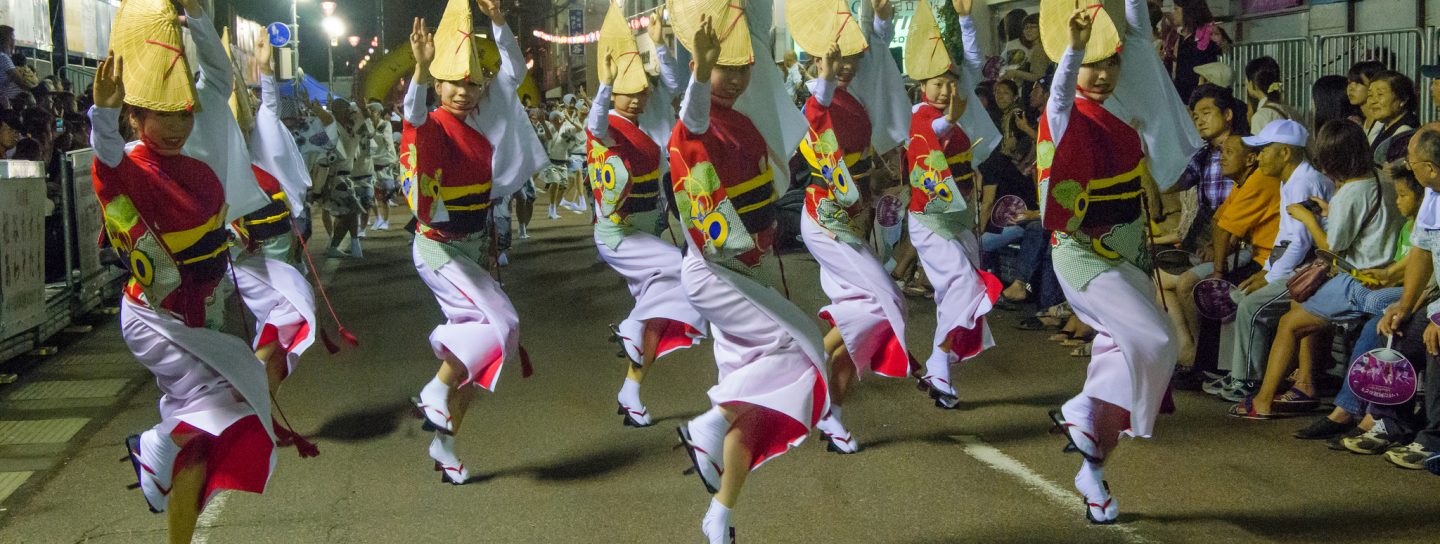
[(630, 394), (830, 424), (938, 366), (436, 394), (716, 524), (1090, 481), (708, 431), (1079, 411), (442, 449)]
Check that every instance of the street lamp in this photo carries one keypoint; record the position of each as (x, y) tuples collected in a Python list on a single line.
[(334, 28)]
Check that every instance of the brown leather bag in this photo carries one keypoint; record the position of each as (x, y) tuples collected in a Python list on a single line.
[(1307, 279)]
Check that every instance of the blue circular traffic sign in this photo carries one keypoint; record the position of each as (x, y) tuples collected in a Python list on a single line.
[(279, 34)]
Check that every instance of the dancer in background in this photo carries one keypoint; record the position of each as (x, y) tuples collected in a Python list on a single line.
[(771, 388), (626, 162), (1096, 191), (454, 167), (945, 142), (165, 212), (866, 311), (386, 164)]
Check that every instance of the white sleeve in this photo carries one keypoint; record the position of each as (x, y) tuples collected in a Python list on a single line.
[(215, 73), (512, 60), (695, 108), (822, 90), (105, 135), (598, 122), (668, 68), (415, 110), (1062, 93), (1137, 15), (942, 126), (884, 31), (973, 59)]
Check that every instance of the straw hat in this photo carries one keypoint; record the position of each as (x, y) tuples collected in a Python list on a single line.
[(1055, 15), (925, 54), (731, 26), (459, 53), (618, 41), (239, 95), (147, 35), (817, 24)]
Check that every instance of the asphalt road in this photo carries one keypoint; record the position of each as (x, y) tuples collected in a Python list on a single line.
[(555, 464)]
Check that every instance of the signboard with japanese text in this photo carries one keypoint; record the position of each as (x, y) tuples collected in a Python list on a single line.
[(22, 248)]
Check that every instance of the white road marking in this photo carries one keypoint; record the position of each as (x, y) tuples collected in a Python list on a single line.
[(1060, 495), (209, 518)]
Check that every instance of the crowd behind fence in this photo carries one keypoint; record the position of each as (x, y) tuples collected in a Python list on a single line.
[(1303, 60)]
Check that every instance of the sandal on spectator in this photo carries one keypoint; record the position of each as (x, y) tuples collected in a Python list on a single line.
[(1077, 341), (1061, 336), (1295, 401), (1246, 410), (1324, 428), (1373, 442), (1411, 456), (1082, 351)]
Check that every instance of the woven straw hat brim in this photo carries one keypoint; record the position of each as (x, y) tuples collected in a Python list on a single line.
[(147, 35), (817, 24), (1055, 15), (731, 26), (925, 54), (460, 54), (618, 41)]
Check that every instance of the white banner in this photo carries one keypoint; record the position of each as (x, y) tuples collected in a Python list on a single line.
[(87, 26), (88, 218), (31, 21), (22, 252)]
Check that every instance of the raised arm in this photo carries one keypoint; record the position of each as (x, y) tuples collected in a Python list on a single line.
[(1137, 16), (512, 60), (882, 26), (971, 58), (105, 114), (1067, 74), (669, 69), (422, 46), (822, 88), (215, 73), (598, 122), (695, 108)]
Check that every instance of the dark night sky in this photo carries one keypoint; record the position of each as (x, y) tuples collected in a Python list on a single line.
[(361, 18)]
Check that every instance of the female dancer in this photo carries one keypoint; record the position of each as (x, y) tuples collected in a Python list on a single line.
[(771, 388), (454, 169), (1093, 177), (866, 310), (165, 212), (626, 163), (942, 221)]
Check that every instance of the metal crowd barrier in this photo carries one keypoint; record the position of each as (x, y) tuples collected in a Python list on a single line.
[(1297, 70), (80, 77), (1303, 60), (32, 311)]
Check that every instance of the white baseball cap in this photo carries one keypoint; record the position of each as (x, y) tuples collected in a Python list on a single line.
[(1279, 131)]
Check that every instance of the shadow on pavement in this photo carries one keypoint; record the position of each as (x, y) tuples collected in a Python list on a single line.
[(364, 425)]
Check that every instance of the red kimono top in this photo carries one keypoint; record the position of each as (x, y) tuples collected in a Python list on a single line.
[(633, 184), (838, 150), (166, 217), (941, 176), (447, 168), (723, 187), (1092, 181), (268, 222)]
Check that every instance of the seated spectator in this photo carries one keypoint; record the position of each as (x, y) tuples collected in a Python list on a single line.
[(9, 133), (1358, 84), (1264, 92), (1391, 103), (1250, 216), (1362, 224), (27, 149), (1263, 295)]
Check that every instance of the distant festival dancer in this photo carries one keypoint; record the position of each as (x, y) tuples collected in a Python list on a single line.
[(165, 211), (771, 388), (866, 310), (1094, 184), (625, 160), (267, 266), (940, 155), (476, 147)]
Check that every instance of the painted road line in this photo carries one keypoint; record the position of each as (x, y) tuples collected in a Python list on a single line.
[(1063, 497), (68, 389), (40, 431), (10, 481)]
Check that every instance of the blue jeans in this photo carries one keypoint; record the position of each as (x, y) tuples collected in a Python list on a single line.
[(991, 242)]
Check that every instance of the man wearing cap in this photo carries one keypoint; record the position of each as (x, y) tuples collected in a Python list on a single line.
[(1282, 155)]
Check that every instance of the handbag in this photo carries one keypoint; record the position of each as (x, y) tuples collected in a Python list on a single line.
[(1310, 276)]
